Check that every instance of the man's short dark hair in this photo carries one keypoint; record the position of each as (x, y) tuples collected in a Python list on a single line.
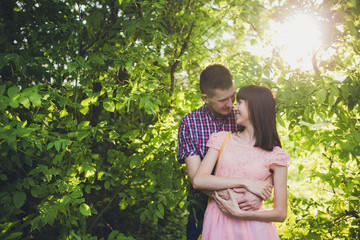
[(213, 77)]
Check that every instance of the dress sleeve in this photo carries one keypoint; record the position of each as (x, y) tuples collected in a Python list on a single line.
[(280, 157), (216, 140)]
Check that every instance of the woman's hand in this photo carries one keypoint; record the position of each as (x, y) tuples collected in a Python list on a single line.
[(260, 188)]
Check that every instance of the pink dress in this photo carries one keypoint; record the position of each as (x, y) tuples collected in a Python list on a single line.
[(247, 162)]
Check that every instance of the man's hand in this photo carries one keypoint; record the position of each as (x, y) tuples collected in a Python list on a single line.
[(249, 201), (260, 188), (228, 206), (246, 200), (239, 194)]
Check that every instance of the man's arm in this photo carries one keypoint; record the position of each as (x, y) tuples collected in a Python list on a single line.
[(247, 200), (185, 144), (192, 165), (250, 201), (276, 214)]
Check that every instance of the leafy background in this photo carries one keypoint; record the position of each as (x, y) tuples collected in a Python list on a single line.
[(92, 92)]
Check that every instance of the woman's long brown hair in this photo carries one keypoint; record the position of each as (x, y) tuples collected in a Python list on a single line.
[(261, 105)]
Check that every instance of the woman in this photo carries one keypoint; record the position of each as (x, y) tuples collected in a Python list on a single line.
[(247, 159)]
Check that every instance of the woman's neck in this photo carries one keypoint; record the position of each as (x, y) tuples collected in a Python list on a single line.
[(247, 136)]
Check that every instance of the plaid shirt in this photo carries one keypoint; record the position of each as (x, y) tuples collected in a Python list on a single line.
[(195, 130)]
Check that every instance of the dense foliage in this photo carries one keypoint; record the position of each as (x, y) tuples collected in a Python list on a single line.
[(92, 91)]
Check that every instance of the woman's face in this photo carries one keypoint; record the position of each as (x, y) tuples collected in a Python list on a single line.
[(242, 113)]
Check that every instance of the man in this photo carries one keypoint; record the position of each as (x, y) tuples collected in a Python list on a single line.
[(218, 93)]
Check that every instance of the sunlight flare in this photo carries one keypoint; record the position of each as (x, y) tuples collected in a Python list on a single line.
[(297, 39)]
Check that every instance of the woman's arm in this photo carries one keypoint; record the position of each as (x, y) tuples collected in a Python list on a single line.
[(192, 164), (276, 214), (204, 180)]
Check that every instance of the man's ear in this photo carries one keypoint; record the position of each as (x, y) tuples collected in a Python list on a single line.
[(205, 98)]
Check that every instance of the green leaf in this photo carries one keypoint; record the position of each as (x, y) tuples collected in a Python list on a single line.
[(35, 99), (85, 210), (50, 145), (76, 194), (77, 237), (334, 94), (63, 113), (107, 185), (81, 61), (11, 141), (14, 104), (143, 216), (109, 105), (14, 235), (72, 66), (280, 120), (88, 189), (2, 89), (89, 171), (266, 72), (96, 59), (3, 177), (113, 235), (345, 91), (160, 208), (135, 161), (84, 110), (19, 199), (83, 125), (83, 134), (13, 91), (155, 218), (149, 105), (158, 5), (25, 102), (4, 102), (355, 134), (21, 132), (123, 204), (57, 145), (113, 135), (159, 215), (307, 112), (321, 96), (36, 191), (66, 199), (86, 102), (58, 157), (50, 215), (27, 92)]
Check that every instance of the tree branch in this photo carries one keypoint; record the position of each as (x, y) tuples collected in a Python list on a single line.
[(105, 209), (314, 63), (177, 56)]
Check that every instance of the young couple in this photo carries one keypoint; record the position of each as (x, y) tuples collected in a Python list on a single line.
[(244, 144)]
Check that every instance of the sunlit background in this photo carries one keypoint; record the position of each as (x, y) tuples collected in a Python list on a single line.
[(295, 40)]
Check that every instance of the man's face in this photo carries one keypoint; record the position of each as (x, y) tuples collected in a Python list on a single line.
[(221, 102)]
